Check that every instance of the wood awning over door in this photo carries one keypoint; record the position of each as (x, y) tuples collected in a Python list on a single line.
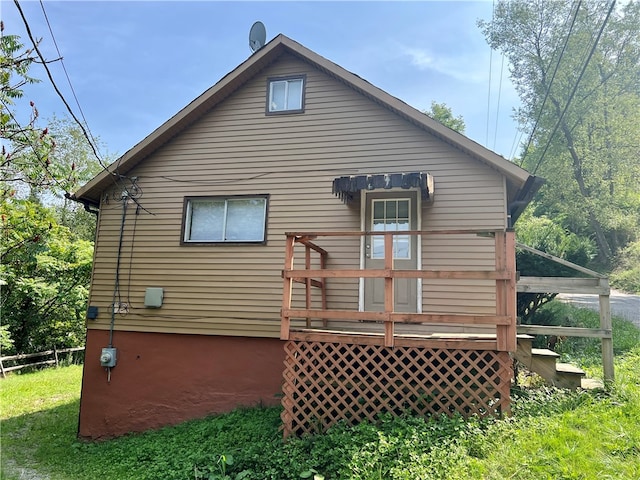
[(348, 188)]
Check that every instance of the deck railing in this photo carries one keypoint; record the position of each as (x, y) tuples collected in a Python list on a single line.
[(504, 275)]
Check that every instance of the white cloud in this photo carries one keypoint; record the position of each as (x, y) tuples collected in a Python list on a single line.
[(463, 68)]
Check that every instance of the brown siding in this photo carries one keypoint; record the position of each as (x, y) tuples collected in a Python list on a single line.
[(237, 149)]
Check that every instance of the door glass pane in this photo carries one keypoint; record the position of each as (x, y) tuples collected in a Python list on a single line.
[(391, 209), (378, 210), (403, 209), (207, 220), (391, 216)]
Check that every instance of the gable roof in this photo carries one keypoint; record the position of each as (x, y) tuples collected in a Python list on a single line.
[(521, 185)]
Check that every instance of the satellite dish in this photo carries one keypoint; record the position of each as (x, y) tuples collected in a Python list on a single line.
[(257, 36)]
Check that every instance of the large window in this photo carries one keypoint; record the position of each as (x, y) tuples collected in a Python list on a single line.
[(225, 219), (285, 95)]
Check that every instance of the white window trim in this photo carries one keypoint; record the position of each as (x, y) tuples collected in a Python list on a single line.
[(286, 80), (187, 219), (363, 228)]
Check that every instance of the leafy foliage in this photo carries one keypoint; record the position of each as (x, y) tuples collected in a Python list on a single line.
[(25, 166), (586, 140), (46, 271), (548, 236), (46, 267), (443, 114), (626, 275)]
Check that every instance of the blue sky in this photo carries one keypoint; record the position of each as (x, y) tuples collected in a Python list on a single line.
[(135, 64)]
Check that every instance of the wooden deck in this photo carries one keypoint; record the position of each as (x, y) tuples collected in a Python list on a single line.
[(503, 321), (352, 365)]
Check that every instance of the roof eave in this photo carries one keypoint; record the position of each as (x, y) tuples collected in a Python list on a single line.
[(90, 192), (259, 60)]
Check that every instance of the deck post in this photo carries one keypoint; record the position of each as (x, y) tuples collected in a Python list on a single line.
[(388, 290), (501, 334), (323, 286), (307, 282), (511, 290), (285, 322), (506, 336), (607, 342)]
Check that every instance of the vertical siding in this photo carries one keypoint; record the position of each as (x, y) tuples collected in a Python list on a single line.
[(237, 149)]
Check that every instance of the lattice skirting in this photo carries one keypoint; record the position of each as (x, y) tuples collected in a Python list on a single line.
[(328, 382)]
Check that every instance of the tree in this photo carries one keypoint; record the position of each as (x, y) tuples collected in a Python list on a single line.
[(584, 117), (46, 271), (45, 268), (443, 114), (72, 148), (25, 166), (548, 236)]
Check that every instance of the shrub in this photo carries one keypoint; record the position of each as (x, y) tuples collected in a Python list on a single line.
[(626, 275)]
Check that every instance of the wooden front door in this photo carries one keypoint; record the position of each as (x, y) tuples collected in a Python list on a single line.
[(391, 211)]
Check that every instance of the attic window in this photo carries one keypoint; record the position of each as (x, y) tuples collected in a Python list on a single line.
[(286, 94)]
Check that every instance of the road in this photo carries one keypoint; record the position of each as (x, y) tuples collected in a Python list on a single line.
[(622, 304)]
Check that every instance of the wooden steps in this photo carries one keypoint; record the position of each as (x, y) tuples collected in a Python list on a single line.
[(545, 363)]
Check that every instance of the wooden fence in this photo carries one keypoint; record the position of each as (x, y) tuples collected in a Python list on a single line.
[(597, 284), (43, 359)]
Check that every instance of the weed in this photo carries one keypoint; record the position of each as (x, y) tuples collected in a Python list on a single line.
[(551, 434)]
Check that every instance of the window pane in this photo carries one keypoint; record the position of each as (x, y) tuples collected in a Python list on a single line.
[(403, 209), (245, 220), (294, 97), (377, 247), (207, 219), (391, 216), (401, 245), (277, 96), (391, 209), (378, 210)]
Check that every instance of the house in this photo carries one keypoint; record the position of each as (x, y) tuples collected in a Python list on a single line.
[(187, 312)]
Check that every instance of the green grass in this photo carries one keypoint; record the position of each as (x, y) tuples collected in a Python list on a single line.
[(553, 434)]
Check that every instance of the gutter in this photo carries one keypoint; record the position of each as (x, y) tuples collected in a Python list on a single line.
[(524, 197), (89, 206)]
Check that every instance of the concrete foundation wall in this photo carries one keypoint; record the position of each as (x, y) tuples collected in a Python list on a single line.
[(163, 379)]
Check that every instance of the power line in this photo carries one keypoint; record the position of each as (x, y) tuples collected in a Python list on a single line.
[(575, 87), (548, 90), (64, 68), (495, 132), (516, 141), (46, 68), (113, 175), (486, 137)]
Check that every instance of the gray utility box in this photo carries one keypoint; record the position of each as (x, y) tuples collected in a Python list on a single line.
[(153, 297)]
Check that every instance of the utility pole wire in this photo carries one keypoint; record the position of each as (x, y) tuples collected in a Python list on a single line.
[(64, 68), (64, 101), (486, 137), (114, 175), (495, 132), (553, 76), (575, 87)]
